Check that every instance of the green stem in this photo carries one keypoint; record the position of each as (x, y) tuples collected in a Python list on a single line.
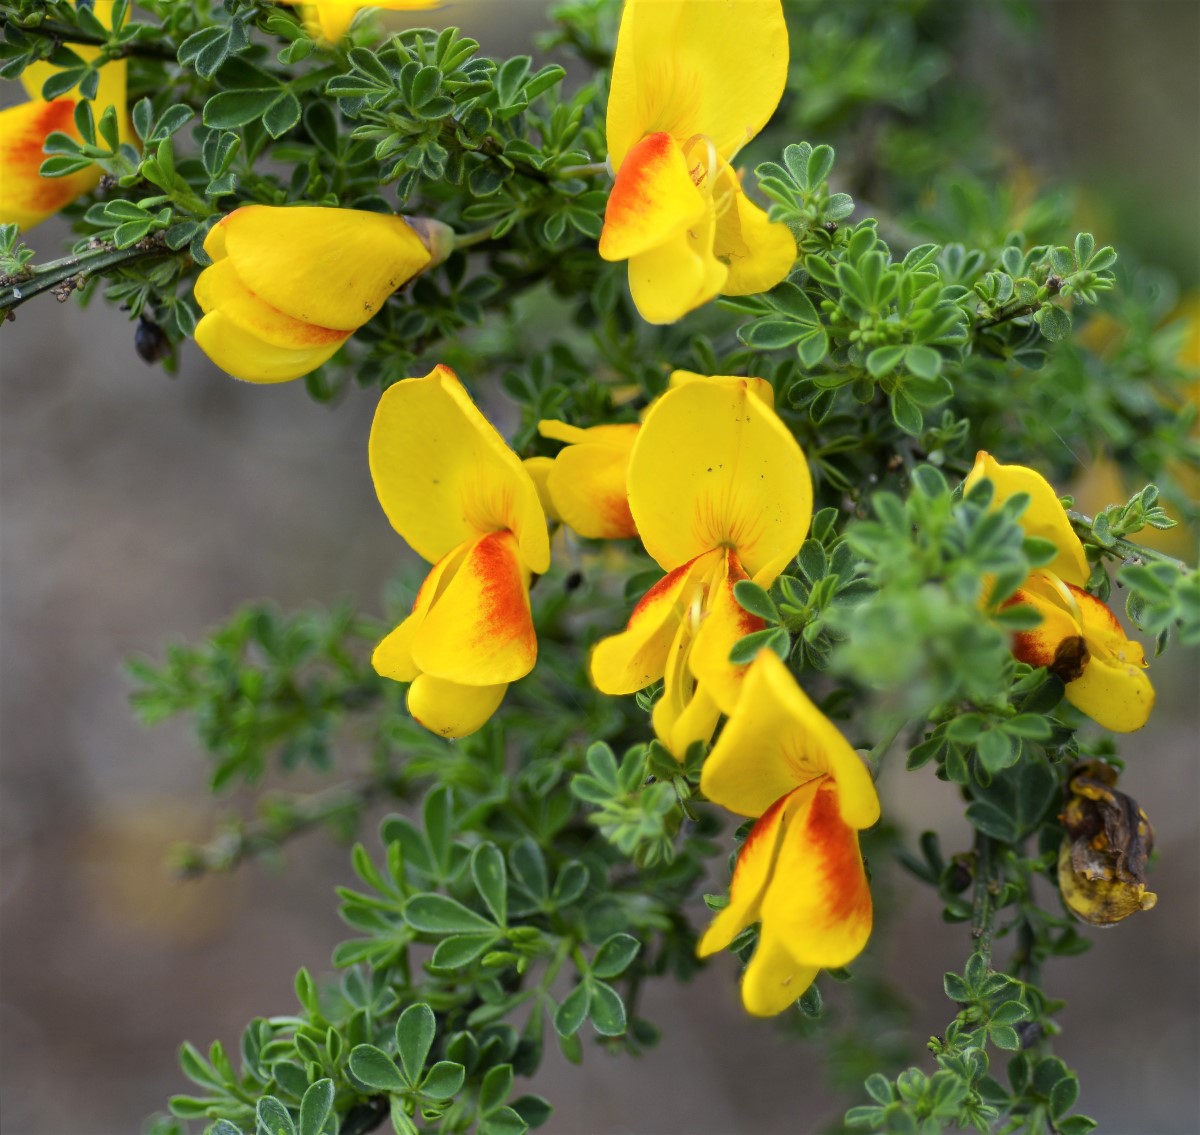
[(983, 910), (880, 750), (50, 275), (65, 33), (475, 236), (592, 169), (1013, 313), (1127, 548)]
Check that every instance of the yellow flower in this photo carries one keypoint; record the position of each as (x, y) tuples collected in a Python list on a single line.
[(720, 491), (693, 81), (800, 872), (454, 490), (288, 286), (1079, 638), (584, 485), (27, 198), (331, 19)]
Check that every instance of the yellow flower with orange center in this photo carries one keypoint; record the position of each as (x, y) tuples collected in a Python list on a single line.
[(1079, 638), (800, 872), (720, 491), (289, 285), (26, 197), (460, 496), (693, 81)]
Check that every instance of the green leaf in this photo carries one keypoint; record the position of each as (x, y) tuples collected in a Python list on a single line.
[(907, 414), (746, 649), (529, 867), (615, 955), (273, 1118), (460, 950), (884, 360), (924, 362), (495, 1087), (439, 914), (315, 1107), (533, 1109), (376, 1069), (756, 600), (414, 1038), (491, 880), (572, 1010), (444, 1080), (570, 884), (282, 114), (229, 109), (607, 1010), (1054, 322), (504, 1121)]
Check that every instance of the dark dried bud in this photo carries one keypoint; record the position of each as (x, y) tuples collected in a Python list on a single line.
[(1029, 1033), (1054, 284), (1102, 861), (959, 876), (830, 226), (573, 581), (151, 341)]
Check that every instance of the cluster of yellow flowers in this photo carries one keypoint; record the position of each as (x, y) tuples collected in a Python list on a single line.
[(711, 480)]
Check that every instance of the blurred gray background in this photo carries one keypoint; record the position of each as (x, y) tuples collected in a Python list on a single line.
[(137, 509)]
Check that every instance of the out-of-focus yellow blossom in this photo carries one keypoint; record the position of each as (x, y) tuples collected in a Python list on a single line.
[(27, 198), (693, 81), (1079, 638), (288, 286), (800, 872), (329, 20), (454, 490), (720, 491)]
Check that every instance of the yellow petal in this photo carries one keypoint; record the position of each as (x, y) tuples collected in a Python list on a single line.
[(450, 709), (539, 469), (724, 623), (1044, 518), (27, 198), (759, 253), (244, 355), (714, 467), (712, 67), (393, 657), (774, 980), (776, 740), (1057, 641), (759, 387), (219, 288), (444, 475), (685, 713), (479, 629), (627, 662), (331, 19), (1113, 689), (818, 900), (587, 484), (331, 267), (679, 275), (652, 200), (755, 862)]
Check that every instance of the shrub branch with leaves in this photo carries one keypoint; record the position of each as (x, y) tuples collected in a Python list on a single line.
[(547, 860)]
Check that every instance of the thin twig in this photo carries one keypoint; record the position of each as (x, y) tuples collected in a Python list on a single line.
[(298, 814), (1127, 548), (65, 33)]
